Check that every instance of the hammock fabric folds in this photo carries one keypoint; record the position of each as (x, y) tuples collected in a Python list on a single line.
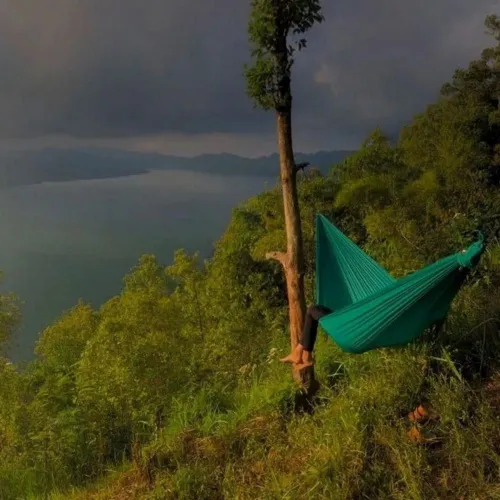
[(371, 308)]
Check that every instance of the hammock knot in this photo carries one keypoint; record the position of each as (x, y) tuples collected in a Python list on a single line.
[(470, 257)]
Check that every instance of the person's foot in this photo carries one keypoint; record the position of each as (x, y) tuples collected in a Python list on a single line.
[(294, 357), (303, 365), (307, 360)]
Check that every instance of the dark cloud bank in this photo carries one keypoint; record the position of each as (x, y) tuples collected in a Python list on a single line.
[(122, 69)]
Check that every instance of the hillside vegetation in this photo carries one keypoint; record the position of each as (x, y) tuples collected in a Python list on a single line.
[(172, 389)]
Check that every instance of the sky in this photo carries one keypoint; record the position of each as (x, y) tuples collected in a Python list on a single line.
[(167, 75)]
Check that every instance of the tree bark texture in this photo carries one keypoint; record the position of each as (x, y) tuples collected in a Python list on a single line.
[(293, 263)]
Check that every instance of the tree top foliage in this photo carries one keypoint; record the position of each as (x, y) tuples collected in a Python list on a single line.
[(271, 24), (480, 79)]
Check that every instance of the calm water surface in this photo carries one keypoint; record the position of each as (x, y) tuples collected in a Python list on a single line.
[(65, 241)]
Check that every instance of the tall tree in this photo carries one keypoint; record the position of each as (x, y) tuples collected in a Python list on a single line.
[(477, 87), (276, 30)]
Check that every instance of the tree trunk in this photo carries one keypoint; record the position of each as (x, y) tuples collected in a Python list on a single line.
[(293, 261)]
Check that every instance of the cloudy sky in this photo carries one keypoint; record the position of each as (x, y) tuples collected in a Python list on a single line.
[(166, 75)]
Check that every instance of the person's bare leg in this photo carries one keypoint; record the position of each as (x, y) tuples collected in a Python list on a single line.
[(295, 356), (302, 354), (307, 360)]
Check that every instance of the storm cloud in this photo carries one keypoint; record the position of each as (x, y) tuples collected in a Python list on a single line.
[(150, 73)]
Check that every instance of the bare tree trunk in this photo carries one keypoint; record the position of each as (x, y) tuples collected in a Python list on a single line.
[(293, 260)]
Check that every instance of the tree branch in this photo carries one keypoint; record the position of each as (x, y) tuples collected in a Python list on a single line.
[(301, 166), (281, 257)]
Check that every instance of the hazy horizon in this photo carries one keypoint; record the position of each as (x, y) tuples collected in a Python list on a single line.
[(62, 165)]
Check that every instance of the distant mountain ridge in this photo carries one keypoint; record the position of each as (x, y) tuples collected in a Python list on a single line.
[(19, 168)]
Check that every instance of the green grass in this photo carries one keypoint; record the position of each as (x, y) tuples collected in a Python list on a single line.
[(245, 441)]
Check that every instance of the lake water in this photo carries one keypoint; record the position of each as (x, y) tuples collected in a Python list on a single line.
[(65, 241)]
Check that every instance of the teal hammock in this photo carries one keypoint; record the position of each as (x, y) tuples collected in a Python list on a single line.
[(371, 308)]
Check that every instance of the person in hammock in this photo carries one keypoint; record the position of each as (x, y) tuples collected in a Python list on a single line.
[(302, 354)]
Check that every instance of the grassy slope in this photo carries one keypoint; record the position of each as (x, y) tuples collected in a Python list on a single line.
[(250, 444)]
